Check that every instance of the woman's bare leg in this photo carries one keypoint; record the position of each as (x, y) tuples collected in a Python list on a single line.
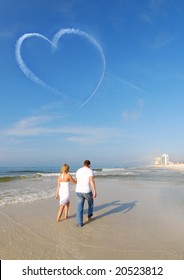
[(60, 212), (67, 210)]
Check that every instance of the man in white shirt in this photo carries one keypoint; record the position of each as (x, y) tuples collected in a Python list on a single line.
[(85, 181)]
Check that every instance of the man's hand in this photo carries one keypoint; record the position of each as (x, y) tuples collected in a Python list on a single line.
[(92, 183), (94, 194)]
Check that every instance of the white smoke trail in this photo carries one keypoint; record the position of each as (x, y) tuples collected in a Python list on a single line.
[(30, 75), (27, 72), (92, 40)]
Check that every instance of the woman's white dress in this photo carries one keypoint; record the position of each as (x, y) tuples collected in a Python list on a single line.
[(64, 192)]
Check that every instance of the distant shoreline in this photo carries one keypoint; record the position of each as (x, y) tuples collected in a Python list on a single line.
[(172, 166)]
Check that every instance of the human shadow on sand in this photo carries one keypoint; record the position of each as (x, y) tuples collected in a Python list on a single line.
[(118, 207)]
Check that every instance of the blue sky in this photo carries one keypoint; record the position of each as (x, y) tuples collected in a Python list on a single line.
[(121, 109)]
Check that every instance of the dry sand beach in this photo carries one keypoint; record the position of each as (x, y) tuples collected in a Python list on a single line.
[(174, 166), (132, 220)]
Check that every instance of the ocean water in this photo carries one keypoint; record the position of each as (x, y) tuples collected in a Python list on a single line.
[(20, 185)]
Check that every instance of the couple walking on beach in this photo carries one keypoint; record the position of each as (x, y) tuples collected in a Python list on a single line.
[(84, 183)]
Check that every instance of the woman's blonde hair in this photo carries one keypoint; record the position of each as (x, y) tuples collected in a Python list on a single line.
[(65, 168)]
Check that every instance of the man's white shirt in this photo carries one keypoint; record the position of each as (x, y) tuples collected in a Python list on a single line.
[(83, 183)]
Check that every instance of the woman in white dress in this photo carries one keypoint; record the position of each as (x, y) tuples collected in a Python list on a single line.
[(63, 191)]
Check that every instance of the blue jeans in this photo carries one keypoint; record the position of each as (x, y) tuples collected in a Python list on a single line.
[(80, 206)]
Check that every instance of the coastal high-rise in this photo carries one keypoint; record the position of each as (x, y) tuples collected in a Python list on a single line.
[(162, 160)]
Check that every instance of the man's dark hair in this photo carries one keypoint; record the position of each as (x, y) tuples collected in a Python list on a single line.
[(87, 162)]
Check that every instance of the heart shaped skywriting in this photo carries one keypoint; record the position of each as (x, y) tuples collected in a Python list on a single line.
[(54, 44)]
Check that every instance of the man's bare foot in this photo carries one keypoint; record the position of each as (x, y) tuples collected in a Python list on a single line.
[(88, 219), (66, 218)]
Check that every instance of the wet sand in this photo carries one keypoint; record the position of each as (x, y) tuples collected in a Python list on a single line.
[(131, 221)]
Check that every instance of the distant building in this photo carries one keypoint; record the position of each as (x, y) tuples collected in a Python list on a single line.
[(165, 159), (158, 161), (162, 160)]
